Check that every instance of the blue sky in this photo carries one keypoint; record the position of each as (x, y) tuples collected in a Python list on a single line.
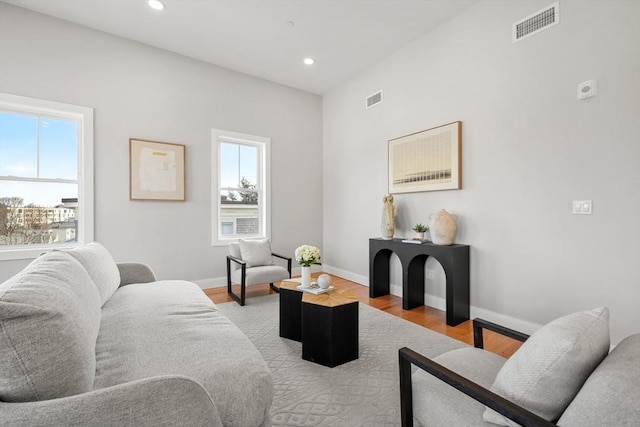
[(21, 136), (238, 161)]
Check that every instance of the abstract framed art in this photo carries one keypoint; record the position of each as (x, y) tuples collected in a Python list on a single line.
[(429, 160), (156, 170)]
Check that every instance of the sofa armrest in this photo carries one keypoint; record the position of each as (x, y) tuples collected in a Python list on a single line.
[(134, 272), (479, 324), (157, 401), (408, 357)]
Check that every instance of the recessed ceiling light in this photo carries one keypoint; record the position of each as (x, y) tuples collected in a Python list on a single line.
[(309, 61), (156, 4)]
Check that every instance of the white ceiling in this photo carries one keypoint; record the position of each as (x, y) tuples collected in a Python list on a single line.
[(253, 37)]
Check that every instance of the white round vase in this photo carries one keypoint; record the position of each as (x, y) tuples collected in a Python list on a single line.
[(442, 228), (324, 281)]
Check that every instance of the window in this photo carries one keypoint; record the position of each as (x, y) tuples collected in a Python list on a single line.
[(46, 176), (240, 185)]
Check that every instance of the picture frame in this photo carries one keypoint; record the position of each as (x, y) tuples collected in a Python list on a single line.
[(156, 170), (429, 160)]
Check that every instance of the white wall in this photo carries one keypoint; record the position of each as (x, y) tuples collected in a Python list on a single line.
[(142, 92), (529, 149)]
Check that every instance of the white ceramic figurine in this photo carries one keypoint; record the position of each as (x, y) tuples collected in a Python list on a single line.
[(387, 227)]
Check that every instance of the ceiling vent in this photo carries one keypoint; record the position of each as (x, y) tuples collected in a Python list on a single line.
[(374, 99), (532, 24)]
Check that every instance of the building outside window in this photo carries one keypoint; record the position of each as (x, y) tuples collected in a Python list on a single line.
[(46, 176), (241, 188)]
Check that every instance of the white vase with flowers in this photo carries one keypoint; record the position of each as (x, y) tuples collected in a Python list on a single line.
[(306, 255)]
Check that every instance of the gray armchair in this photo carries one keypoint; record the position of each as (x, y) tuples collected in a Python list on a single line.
[(247, 272), (562, 375)]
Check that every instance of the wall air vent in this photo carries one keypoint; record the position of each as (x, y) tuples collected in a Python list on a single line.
[(374, 99), (532, 24)]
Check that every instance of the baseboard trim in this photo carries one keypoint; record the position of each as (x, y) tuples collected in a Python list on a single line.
[(216, 282), (359, 279), (431, 300), (440, 303), (521, 325)]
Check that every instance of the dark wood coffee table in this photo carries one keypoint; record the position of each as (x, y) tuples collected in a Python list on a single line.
[(330, 327), (326, 324), (290, 311)]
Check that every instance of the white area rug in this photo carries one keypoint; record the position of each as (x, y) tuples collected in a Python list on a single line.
[(364, 392)]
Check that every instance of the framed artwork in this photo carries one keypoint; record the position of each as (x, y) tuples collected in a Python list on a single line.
[(429, 160), (156, 170)]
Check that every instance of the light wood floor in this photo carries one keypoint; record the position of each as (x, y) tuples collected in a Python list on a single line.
[(425, 316)]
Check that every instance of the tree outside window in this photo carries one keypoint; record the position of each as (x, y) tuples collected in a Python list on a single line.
[(46, 198), (240, 180)]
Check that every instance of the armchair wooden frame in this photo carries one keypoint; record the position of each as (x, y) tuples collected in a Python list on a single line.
[(243, 281), (408, 357)]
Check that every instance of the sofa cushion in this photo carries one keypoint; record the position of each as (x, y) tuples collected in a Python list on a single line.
[(98, 262), (611, 395), (434, 399), (547, 371), (172, 328), (49, 321), (256, 252)]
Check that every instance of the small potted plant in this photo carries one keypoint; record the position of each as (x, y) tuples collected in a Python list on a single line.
[(420, 229)]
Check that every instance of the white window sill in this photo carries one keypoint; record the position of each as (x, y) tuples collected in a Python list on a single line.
[(31, 252)]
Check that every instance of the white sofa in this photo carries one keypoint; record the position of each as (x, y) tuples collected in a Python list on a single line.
[(85, 341)]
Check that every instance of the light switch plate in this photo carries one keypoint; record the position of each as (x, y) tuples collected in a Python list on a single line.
[(581, 207)]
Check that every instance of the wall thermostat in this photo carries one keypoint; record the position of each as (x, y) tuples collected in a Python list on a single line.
[(587, 89)]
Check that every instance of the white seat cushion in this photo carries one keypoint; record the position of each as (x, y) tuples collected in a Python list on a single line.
[(263, 274)]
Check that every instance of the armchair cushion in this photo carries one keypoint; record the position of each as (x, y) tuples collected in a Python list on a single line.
[(256, 252), (546, 373), (262, 274), (433, 399)]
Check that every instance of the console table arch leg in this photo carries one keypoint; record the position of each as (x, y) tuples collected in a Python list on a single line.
[(413, 282), (454, 260)]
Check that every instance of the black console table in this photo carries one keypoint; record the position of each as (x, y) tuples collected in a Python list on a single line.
[(454, 260)]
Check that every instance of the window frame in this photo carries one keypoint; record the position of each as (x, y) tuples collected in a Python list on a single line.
[(84, 117), (219, 136)]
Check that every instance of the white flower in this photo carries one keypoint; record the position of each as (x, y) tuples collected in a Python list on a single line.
[(307, 255)]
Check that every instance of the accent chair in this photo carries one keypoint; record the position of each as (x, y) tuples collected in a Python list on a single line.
[(251, 262), (562, 375)]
